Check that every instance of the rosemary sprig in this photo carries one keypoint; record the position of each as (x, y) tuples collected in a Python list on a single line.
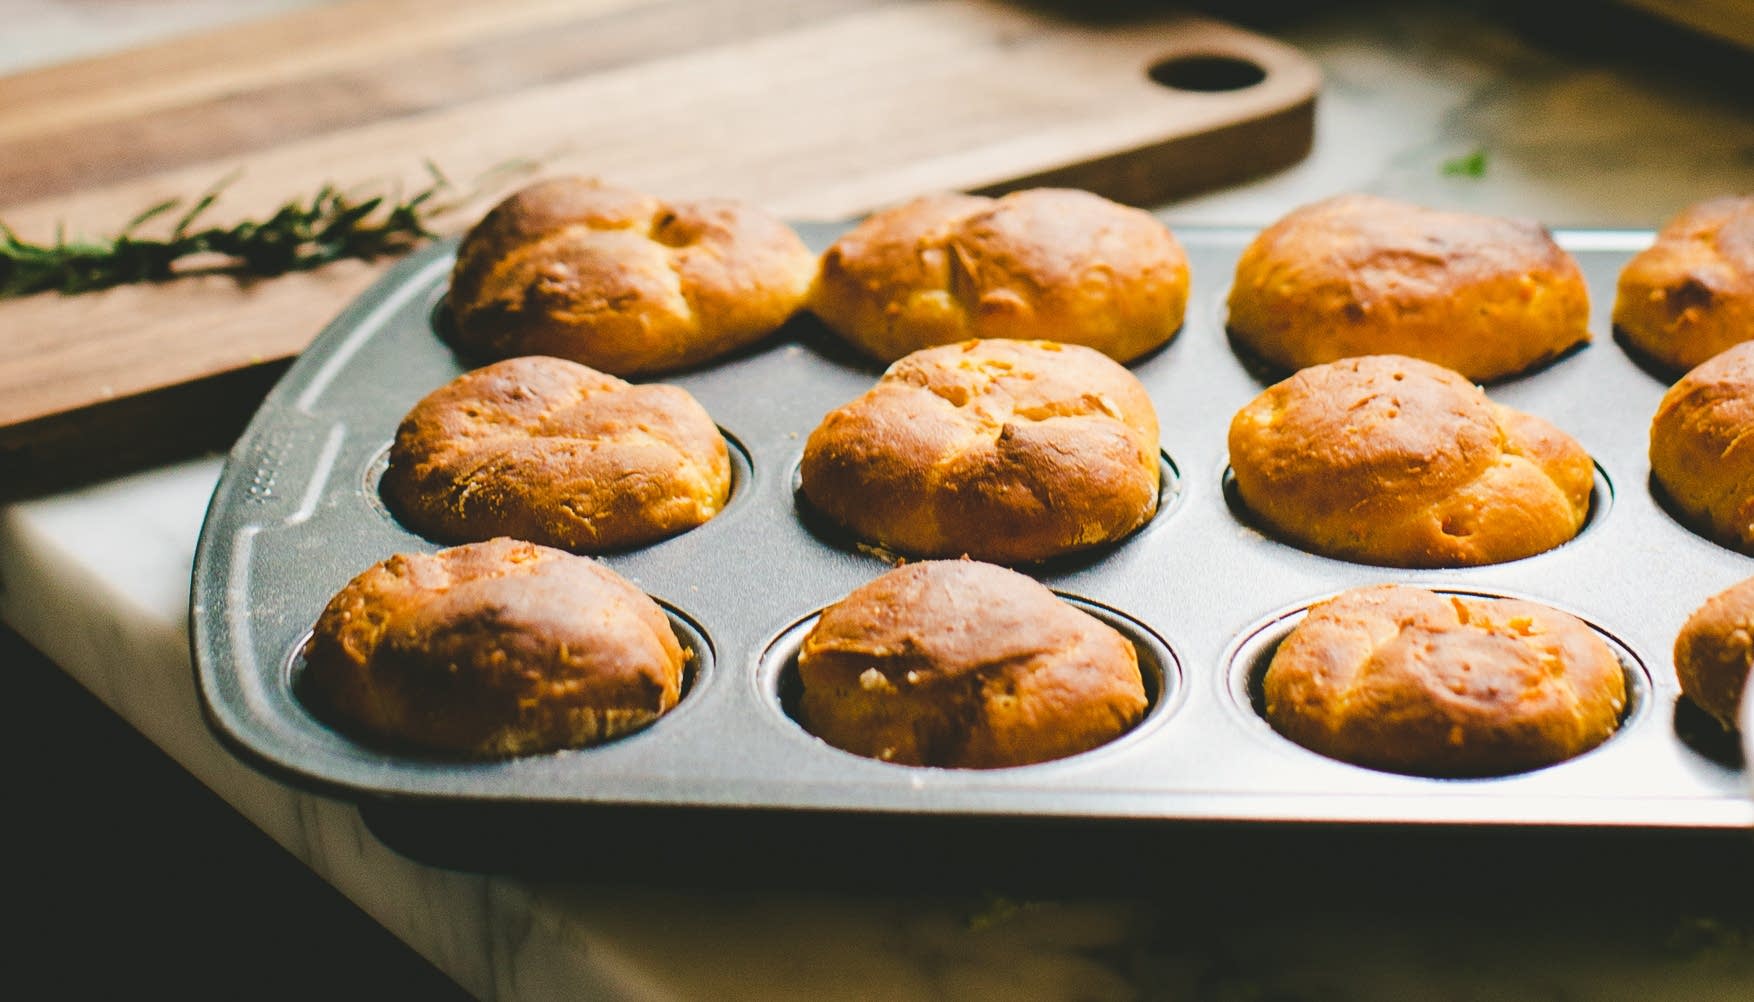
[(332, 225)]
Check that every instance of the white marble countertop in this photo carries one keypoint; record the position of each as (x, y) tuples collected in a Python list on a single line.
[(98, 579)]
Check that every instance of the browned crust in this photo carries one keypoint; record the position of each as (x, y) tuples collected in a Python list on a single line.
[(1701, 449), (1001, 450), (965, 665), (1715, 651), (1042, 264), (1403, 679), (556, 453), (1393, 461), (622, 281), (1362, 275), (494, 649), (1690, 295)]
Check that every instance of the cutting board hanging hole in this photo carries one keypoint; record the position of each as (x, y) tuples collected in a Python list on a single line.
[(1206, 73)]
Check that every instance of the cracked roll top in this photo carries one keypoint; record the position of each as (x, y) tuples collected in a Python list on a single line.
[(494, 649), (967, 665), (622, 281), (1046, 263), (1690, 295), (1702, 447), (1010, 451), (556, 453), (1392, 461), (1714, 652), (1362, 275), (1406, 680)]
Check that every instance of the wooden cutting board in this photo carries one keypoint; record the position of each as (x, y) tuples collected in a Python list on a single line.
[(814, 108)]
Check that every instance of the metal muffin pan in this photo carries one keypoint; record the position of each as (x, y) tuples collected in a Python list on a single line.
[(1203, 595)]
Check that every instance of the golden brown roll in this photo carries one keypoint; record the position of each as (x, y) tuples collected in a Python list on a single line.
[(1001, 450), (622, 281), (965, 665), (1406, 680), (1361, 275), (1690, 295), (1715, 650), (556, 453), (1701, 449), (1390, 460), (1047, 263), (494, 649)]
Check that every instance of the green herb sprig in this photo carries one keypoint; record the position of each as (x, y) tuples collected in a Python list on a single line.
[(300, 235), (996, 909), (1471, 165)]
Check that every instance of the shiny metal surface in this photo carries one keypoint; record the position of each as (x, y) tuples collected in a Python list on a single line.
[(295, 517)]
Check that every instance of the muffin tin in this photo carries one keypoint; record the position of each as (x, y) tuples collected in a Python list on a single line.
[(1202, 594)]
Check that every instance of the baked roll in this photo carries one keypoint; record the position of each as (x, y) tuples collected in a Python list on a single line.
[(1042, 264), (1362, 275), (1393, 461), (1009, 451), (965, 665), (622, 281), (1714, 652), (1701, 449), (1405, 680), (556, 453), (1690, 294), (493, 649)]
